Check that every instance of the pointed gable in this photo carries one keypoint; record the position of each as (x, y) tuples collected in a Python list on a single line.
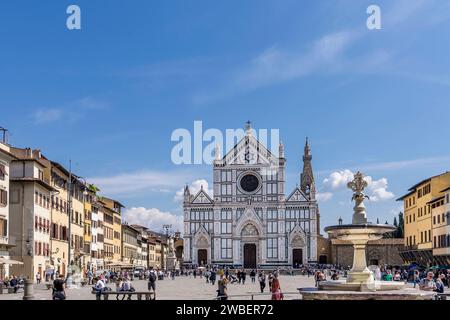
[(297, 196), (202, 198), (249, 151)]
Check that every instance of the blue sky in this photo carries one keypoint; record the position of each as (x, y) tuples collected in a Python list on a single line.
[(108, 96)]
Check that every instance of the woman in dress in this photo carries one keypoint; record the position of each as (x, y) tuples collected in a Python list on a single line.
[(276, 289)]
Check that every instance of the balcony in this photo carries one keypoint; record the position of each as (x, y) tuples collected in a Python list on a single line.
[(409, 248), (7, 241)]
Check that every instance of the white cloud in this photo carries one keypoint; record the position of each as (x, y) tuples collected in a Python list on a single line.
[(194, 188), (70, 111), (324, 196), (376, 189), (274, 66), (146, 180), (47, 115), (153, 218), (338, 179)]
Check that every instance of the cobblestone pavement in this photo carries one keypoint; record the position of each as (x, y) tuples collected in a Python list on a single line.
[(185, 288)]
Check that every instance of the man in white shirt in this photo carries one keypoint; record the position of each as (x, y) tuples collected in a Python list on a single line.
[(99, 288)]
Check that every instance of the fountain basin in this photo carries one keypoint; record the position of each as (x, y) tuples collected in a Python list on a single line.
[(403, 294), (359, 232), (359, 278)]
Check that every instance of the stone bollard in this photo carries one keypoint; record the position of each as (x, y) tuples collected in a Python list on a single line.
[(28, 290)]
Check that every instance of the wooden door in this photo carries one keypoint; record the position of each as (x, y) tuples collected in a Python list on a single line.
[(202, 257), (297, 257), (250, 256)]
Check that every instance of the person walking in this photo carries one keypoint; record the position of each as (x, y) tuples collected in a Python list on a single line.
[(38, 278), (207, 275), (253, 276), (151, 285), (90, 276), (270, 278), (244, 276), (262, 281), (222, 292), (276, 289), (59, 292), (213, 277)]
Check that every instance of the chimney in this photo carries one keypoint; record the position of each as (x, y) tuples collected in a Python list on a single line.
[(4, 135)]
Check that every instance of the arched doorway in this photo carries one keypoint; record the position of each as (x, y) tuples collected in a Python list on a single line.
[(298, 249), (250, 238), (323, 259), (202, 255), (202, 251)]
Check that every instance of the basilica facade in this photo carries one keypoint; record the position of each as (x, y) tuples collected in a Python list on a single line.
[(249, 221)]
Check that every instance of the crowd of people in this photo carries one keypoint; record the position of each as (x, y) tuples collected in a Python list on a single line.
[(426, 279), (433, 279), (13, 282)]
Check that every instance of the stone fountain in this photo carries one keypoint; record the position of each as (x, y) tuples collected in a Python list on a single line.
[(360, 282)]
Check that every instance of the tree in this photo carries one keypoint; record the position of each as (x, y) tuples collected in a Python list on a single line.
[(378, 221), (93, 188), (395, 222), (401, 226)]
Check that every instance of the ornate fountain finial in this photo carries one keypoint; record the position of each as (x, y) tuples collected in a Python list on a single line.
[(358, 185)]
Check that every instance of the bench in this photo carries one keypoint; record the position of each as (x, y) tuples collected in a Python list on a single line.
[(147, 295), (83, 282), (442, 296), (11, 289)]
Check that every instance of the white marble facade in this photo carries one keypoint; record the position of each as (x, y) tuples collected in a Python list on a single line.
[(249, 222)]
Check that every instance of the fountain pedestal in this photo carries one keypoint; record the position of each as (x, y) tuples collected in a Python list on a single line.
[(359, 278)]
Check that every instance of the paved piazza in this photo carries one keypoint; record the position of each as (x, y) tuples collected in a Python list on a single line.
[(185, 288)]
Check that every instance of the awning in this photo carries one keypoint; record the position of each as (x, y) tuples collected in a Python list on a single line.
[(4, 260)]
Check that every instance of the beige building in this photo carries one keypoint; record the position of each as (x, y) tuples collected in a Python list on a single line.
[(108, 234), (143, 251), (30, 211), (61, 204), (115, 208), (130, 245), (152, 263), (6, 241), (440, 210), (419, 219)]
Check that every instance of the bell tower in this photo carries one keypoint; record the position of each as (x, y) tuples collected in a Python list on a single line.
[(307, 184)]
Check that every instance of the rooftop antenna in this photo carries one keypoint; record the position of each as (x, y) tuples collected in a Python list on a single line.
[(4, 133)]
